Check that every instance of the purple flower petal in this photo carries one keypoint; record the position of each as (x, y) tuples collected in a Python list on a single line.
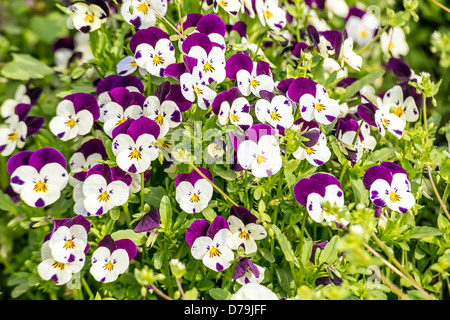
[(150, 36), (93, 146), (325, 179), (304, 187), (46, 155), (394, 168), (141, 126), (211, 23), (217, 224), (193, 176), (236, 62), (177, 96), (34, 124), (375, 173), (84, 101), (243, 214), (197, 229), (151, 220), (299, 87)]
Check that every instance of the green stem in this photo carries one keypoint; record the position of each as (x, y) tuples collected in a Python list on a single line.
[(86, 287), (127, 214), (142, 191)]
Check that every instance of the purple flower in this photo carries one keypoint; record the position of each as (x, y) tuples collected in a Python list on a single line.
[(247, 272), (388, 185), (316, 151), (151, 220), (112, 258), (38, 176), (193, 192)]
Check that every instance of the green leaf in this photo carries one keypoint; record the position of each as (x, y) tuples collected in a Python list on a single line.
[(285, 244), (284, 277), (330, 253), (219, 294), (165, 211), (24, 67), (209, 214), (360, 192), (423, 232), (266, 254), (6, 204), (137, 238), (381, 155), (360, 83), (153, 195), (226, 174)]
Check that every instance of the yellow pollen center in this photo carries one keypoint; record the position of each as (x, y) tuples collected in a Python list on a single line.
[(69, 244), (310, 151), (207, 67), (143, 7), (108, 266), (12, 136), (134, 64), (195, 198), (198, 90), (89, 18), (275, 116), (121, 120), (223, 3), (254, 83), (214, 252), (391, 45), (157, 60), (363, 33), (398, 111), (394, 197), (234, 117), (40, 186), (244, 235), (268, 14), (71, 123), (385, 122), (319, 107), (159, 119), (260, 159), (135, 154), (59, 265), (104, 196)]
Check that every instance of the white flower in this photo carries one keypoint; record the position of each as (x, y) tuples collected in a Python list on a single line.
[(194, 197), (166, 114), (277, 112), (394, 41), (107, 266), (248, 83), (385, 120), (155, 59), (348, 56), (404, 109), (9, 105), (237, 113), (254, 291), (12, 135), (211, 64), (87, 17), (262, 158), (214, 252), (362, 30), (230, 6), (271, 14), (319, 107), (244, 235), (140, 13), (67, 124), (68, 244), (317, 154), (333, 196), (194, 85)]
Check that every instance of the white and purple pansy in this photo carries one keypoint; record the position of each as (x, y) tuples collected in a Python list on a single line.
[(194, 86), (324, 45), (260, 152), (130, 82), (38, 176), (124, 105), (152, 50), (231, 107), (389, 185), (209, 55), (386, 120), (209, 243), (163, 111), (24, 94), (17, 127), (134, 144), (361, 26), (393, 42), (317, 190), (111, 258), (231, 6), (316, 150), (89, 15), (251, 77), (68, 240), (128, 65), (244, 230), (141, 13), (275, 110), (269, 13), (313, 100), (210, 24), (405, 109), (103, 189), (75, 116), (149, 221), (193, 192), (247, 272)]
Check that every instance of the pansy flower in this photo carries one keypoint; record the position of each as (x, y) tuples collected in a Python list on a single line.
[(111, 258), (163, 111), (316, 151), (23, 94), (193, 192), (140, 13), (247, 272), (209, 55), (89, 16), (152, 50), (394, 42), (194, 87), (17, 127), (231, 6), (38, 176), (269, 13), (103, 189), (260, 151), (405, 109), (332, 277), (251, 77), (124, 105), (127, 65), (315, 191), (209, 24), (389, 185), (361, 26), (75, 115), (313, 100), (133, 144), (275, 110), (209, 243), (231, 107), (244, 230)]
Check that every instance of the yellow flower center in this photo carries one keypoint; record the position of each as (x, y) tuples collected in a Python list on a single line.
[(198, 90), (244, 235), (319, 107), (12, 136), (363, 33), (398, 111), (385, 122), (89, 18), (391, 45), (104, 196), (207, 67), (310, 151), (268, 14), (69, 244), (121, 120), (254, 83), (108, 266), (195, 198), (59, 265), (40, 186), (135, 154), (71, 123), (234, 117), (157, 60), (275, 116), (159, 119), (260, 159), (214, 252), (394, 197), (133, 63), (223, 3), (143, 7)]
